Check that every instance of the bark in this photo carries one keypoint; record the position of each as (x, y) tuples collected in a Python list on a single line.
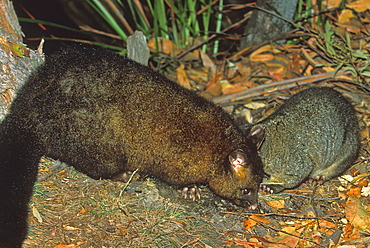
[(263, 26), (14, 69)]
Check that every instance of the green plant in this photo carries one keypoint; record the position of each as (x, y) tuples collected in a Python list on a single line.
[(179, 21), (339, 50)]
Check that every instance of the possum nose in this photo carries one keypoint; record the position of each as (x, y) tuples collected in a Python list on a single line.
[(253, 206)]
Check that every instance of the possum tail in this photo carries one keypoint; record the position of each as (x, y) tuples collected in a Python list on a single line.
[(19, 157)]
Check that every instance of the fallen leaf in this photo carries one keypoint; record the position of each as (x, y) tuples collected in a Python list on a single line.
[(362, 183), (208, 63), (182, 78), (233, 89), (345, 16), (70, 228), (214, 85), (345, 179), (276, 203), (83, 211), (365, 191), (354, 191), (356, 214), (36, 213), (359, 6), (253, 220), (69, 246), (163, 45), (255, 105), (333, 3)]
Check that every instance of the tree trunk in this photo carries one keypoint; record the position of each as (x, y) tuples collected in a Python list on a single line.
[(14, 67), (263, 26)]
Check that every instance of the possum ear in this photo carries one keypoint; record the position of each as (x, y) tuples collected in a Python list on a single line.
[(237, 160), (256, 135)]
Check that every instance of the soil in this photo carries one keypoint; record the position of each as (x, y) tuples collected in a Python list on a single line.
[(69, 208)]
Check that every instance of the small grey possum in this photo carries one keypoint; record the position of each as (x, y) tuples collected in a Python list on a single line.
[(106, 115), (313, 135)]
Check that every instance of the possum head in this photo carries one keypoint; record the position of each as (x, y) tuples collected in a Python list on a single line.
[(240, 180)]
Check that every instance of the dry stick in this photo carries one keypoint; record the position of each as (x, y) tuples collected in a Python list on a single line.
[(333, 216), (290, 234), (278, 85), (348, 81), (128, 182), (287, 35)]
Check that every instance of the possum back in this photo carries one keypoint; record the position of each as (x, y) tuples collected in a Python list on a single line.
[(313, 134)]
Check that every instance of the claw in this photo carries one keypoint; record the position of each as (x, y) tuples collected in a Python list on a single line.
[(264, 188), (318, 180), (191, 192)]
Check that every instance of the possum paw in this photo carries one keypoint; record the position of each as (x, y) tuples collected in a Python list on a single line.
[(316, 181), (265, 189), (190, 192), (271, 187), (122, 176)]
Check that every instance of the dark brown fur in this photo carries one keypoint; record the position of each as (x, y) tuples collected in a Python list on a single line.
[(105, 115)]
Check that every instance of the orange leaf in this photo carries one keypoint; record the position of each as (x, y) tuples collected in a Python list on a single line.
[(253, 220), (276, 203), (234, 89), (182, 78), (69, 246), (360, 5), (83, 211), (70, 228), (289, 241), (249, 223), (356, 214), (260, 219), (262, 57), (345, 16), (362, 183), (354, 191), (262, 54), (214, 90), (215, 79), (164, 45)]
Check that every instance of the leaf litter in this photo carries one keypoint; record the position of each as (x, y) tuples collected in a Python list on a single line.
[(69, 209)]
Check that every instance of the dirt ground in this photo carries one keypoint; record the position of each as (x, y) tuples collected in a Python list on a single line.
[(72, 209), (69, 209)]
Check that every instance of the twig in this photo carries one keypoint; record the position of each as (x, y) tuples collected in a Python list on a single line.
[(287, 35), (313, 199), (348, 81), (287, 215), (275, 86), (128, 182), (290, 234)]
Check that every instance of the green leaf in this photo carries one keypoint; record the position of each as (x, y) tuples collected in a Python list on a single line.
[(351, 69), (337, 69), (366, 74)]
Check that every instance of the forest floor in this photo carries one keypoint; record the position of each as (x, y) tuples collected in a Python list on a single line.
[(69, 209)]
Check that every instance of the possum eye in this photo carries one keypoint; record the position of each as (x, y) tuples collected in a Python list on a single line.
[(246, 192)]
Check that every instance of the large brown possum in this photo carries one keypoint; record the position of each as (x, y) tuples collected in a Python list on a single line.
[(104, 115)]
